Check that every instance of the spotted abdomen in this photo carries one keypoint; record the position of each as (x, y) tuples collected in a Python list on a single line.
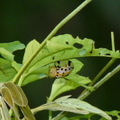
[(60, 71)]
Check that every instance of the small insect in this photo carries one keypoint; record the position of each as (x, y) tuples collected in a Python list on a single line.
[(60, 71)]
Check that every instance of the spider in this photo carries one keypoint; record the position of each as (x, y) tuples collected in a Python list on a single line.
[(60, 71)]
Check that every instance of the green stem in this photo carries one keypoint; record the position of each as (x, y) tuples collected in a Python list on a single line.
[(100, 74), (101, 82), (66, 19), (97, 85), (106, 66), (112, 41), (50, 115), (59, 116), (54, 31), (103, 71)]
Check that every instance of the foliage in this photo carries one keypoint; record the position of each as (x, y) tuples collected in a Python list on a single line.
[(38, 60)]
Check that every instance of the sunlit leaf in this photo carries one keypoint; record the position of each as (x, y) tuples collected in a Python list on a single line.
[(30, 49), (6, 49), (77, 65), (12, 46), (13, 94), (61, 85), (6, 54), (61, 47), (113, 113), (17, 94), (23, 96), (27, 113), (78, 79), (78, 117), (62, 98), (50, 49), (7, 96), (37, 74), (82, 105), (7, 72), (57, 107), (16, 65), (4, 110)]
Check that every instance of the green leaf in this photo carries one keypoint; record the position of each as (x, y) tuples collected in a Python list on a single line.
[(85, 47), (73, 103), (6, 54), (60, 86), (88, 116), (23, 96), (78, 79), (37, 74), (62, 98), (16, 65), (4, 110), (54, 106), (30, 49), (27, 113), (39, 60), (62, 47), (6, 94), (6, 49), (17, 94), (114, 113), (12, 46), (13, 94), (43, 72), (65, 118), (77, 65), (7, 72)]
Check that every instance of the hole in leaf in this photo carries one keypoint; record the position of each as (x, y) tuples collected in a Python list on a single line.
[(107, 54), (90, 52), (53, 57), (114, 118), (69, 62), (78, 45), (58, 62), (67, 42), (1, 56), (119, 114), (82, 52)]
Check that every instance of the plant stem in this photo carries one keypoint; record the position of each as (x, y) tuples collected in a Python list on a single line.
[(100, 74), (50, 115), (97, 85), (59, 116), (66, 19), (101, 82), (103, 70), (106, 66), (53, 32), (112, 41)]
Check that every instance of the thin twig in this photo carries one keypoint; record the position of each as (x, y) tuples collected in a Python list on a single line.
[(54, 31), (101, 82)]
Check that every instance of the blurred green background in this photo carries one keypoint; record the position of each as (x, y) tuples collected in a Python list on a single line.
[(25, 20)]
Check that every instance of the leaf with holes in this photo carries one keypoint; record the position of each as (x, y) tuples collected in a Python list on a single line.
[(7, 72), (62, 47), (7, 49)]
